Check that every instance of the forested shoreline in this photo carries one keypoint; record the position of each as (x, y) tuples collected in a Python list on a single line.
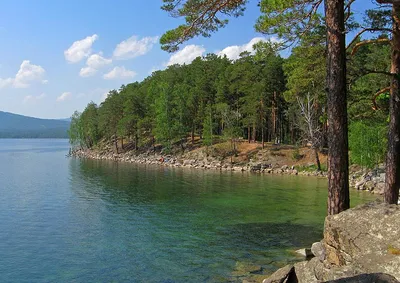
[(261, 97)]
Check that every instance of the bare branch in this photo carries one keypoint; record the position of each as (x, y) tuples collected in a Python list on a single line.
[(372, 41), (378, 72), (348, 9), (375, 107), (366, 30)]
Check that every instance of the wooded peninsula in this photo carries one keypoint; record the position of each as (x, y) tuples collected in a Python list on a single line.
[(351, 103)]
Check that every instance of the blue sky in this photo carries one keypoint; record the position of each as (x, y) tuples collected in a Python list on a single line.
[(57, 56)]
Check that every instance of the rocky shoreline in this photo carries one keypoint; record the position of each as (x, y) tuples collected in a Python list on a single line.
[(207, 163), (367, 180)]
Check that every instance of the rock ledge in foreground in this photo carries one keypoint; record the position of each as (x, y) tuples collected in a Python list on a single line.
[(359, 245)]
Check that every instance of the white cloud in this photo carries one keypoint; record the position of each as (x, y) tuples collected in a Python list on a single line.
[(6, 82), (80, 49), (87, 72), (64, 96), (134, 47), (96, 95), (119, 73), (45, 82), (186, 55), (97, 61), (31, 98), (233, 52), (104, 97), (93, 63), (27, 74)]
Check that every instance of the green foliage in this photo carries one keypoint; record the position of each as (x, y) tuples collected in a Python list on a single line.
[(208, 127), (88, 123), (202, 17), (75, 133), (367, 143), (287, 18)]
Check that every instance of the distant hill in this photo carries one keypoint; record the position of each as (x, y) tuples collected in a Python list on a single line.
[(18, 126)]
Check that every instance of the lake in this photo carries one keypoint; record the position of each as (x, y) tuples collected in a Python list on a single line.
[(69, 220)]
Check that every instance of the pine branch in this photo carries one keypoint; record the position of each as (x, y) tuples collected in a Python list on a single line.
[(366, 42), (375, 107)]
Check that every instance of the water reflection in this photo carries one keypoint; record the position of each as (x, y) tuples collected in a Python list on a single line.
[(176, 224)]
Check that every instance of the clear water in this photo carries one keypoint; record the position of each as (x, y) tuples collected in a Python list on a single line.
[(67, 220)]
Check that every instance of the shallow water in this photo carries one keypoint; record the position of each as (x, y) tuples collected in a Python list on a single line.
[(67, 220)]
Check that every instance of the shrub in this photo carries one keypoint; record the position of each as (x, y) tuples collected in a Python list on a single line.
[(367, 143)]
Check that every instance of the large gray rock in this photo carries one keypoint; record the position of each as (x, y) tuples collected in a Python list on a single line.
[(366, 238), (283, 275), (318, 250), (367, 278)]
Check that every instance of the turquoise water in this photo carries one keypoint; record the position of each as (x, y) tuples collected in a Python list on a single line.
[(66, 220)]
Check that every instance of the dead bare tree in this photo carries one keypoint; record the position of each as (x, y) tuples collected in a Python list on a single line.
[(310, 126)]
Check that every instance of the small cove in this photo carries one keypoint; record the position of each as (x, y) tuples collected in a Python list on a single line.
[(67, 220)]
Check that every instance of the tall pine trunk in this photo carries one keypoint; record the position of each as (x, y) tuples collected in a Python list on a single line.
[(393, 154), (192, 134), (254, 133), (274, 107), (338, 160), (262, 137)]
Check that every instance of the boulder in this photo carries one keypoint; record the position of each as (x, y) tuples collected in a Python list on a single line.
[(305, 252), (283, 275), (318, 250), (366, 237), (379, 188), (360, 245), (367, 278)]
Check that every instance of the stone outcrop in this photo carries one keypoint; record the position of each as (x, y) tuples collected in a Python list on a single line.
[(367, 237), (372, 180), (359, 245)]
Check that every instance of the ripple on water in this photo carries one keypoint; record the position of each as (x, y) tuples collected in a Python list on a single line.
[(66, 220)]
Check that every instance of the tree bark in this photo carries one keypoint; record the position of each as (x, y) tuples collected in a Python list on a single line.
[(192, 135), (254, 133), (338, 160), (317, 159), (393, 153), (274, 106), (262, 137)]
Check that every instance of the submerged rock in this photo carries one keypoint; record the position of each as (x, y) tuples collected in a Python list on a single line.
[(305, 252)]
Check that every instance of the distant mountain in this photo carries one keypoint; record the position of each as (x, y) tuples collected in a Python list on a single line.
[(65, 119), (18, 126)]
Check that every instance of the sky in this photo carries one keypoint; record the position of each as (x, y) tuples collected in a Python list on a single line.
[(57, 56)]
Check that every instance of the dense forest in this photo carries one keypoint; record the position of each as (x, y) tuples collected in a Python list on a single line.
[(260, 97), (285, 103)]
